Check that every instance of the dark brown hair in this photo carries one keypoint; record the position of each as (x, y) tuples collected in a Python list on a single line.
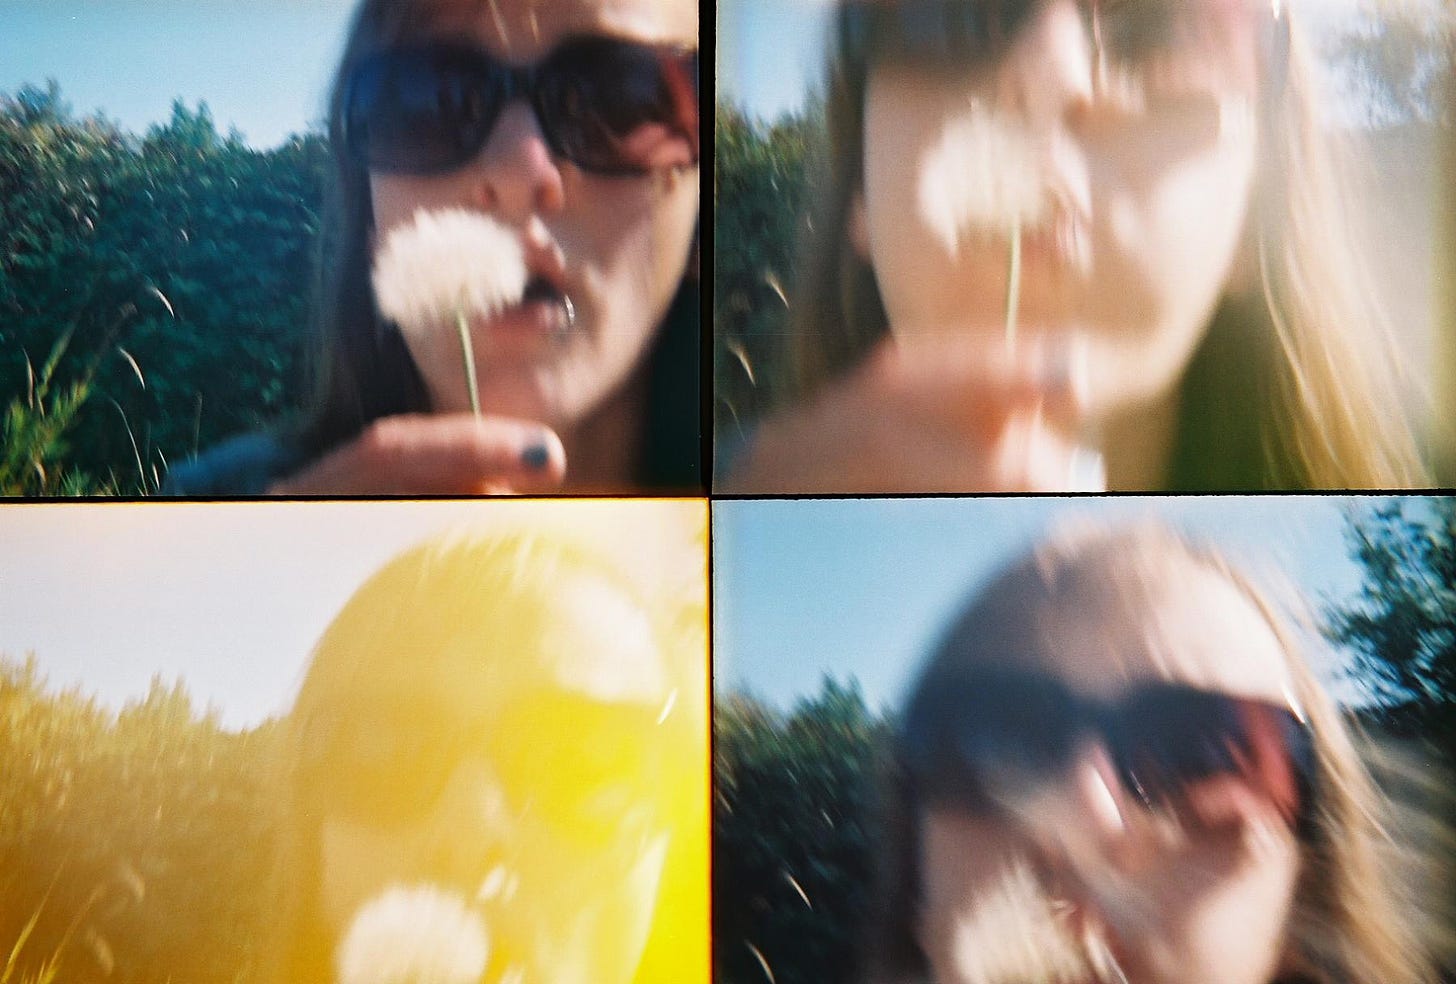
[(363, 370)]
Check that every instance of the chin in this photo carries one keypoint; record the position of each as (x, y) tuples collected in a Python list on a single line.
[(549, 394)]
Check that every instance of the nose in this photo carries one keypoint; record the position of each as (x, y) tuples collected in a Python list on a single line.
[(469, 831), (516, 176), (1081, 812), (1048, 75), (1096, 792)]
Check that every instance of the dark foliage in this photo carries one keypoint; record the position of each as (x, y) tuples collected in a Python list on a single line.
[(1401, 627), (761, 177), (792, 857), (179, 265)]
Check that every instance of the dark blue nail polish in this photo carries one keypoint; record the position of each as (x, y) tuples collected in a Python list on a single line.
[(535, 457)]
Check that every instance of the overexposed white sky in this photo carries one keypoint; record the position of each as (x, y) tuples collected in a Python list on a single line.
[(227, 597)]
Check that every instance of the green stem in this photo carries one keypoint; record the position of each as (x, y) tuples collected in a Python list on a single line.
[(1013, 282), (468, 352)]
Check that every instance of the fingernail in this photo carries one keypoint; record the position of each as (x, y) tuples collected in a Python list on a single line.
[(536, 456)]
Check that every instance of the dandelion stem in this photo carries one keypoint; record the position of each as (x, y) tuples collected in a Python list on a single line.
[(467, 351), (1013, 281)]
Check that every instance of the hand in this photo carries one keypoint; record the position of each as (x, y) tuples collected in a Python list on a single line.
[(1194, 892), (955, 416), (437, 454)]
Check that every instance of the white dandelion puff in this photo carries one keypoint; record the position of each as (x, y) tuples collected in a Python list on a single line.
[(444, 268), (1012, 932), (417, 934), (984, 176), (445, 261)]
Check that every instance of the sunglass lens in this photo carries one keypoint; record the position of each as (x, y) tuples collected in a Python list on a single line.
[(1004, 728), (609, 106), (932, 31), (1171, 741), (422, 111)]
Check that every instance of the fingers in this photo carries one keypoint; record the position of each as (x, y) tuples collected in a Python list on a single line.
[(1230, 806), (848, 446), (448, 454), (978, 382)]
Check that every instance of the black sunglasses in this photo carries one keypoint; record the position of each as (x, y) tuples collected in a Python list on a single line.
[(965, 739), (389, 768), (933, 31), (970, 32), (430, 108)]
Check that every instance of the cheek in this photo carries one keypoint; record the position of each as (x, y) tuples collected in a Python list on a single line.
[(1183, 225), (922, 275), (1242, 926), (631, 240), (1168, 242), (582, 915), (396, 198), (355, 865), (960, 859)]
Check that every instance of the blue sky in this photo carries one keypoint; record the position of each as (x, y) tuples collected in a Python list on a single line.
[(862, 587), (261, 65)]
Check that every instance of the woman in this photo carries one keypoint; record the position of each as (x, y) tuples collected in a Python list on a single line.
[(515, 722), (572, 123), (1116, 767), (1073, 245)]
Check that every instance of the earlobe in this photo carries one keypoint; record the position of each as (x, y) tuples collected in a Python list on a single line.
[(858, 227)]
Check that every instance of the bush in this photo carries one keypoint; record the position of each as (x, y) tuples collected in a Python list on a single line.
[(760, 192), (792, 844), (135, 845), (180, 264)]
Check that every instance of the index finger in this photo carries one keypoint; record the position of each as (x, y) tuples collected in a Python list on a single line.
[(446, 454), (980, 380)]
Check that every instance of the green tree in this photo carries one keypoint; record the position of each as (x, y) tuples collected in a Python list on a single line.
[(34, 105), (179, 266), (1401, 627), (760, 191), (792, 838)]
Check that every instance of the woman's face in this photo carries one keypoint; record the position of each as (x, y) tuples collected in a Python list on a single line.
[(615, 246), (1123, 146), (521, 773), (1195, 890)]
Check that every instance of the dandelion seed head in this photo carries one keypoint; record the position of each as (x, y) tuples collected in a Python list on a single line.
[(1011, 932), (445, 263), (417, 934), (982, 175)]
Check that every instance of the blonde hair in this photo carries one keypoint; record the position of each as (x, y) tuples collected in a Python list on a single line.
[(1352, 920), (479, 597), (1309, 347)]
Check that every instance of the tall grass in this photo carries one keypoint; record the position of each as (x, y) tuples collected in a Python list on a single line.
[(32, 458), (35, 459)]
